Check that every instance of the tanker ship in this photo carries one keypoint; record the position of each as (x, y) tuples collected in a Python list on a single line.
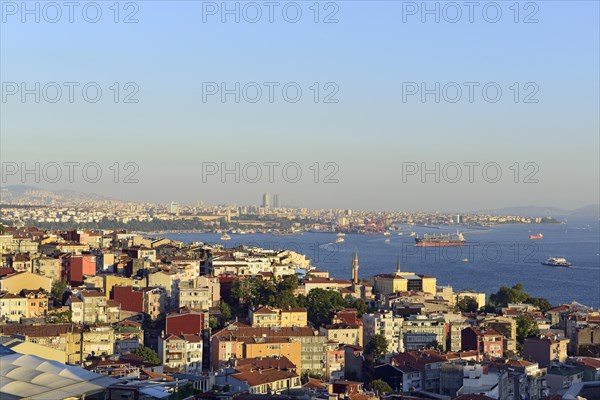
[(451, 239)]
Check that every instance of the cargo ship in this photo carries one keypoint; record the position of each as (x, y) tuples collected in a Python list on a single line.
[(539, 236), (451, 239)]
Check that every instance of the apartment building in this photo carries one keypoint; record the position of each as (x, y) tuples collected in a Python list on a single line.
[(343, 333), (88, 307), (387, 325), (13, 307), (181, 353), (545, 349), (419, 331), (302, 345), (268, 317), (487, 342)]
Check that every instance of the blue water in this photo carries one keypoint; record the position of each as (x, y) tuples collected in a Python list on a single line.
[(502, 255)]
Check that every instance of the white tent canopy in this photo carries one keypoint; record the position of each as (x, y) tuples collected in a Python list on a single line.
[(32, 377)]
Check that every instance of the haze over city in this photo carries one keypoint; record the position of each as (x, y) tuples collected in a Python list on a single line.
[(300, 200)]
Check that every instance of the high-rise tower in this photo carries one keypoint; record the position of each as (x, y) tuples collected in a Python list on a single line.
[(266, 203)]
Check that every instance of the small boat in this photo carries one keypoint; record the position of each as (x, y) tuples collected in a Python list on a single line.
[(340, 234), (465, 260), (539, 236), (557, 262), (386, 233), (225, 237), (400, 234), (413, 234), (340, 240), (387, 240)]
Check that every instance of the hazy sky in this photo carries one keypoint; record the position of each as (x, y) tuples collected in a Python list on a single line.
[(373, 61)]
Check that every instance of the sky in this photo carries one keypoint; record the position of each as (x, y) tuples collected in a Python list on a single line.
[(381, 105)]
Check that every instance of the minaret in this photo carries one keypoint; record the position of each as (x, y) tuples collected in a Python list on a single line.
[(398, 267), (355, 268)]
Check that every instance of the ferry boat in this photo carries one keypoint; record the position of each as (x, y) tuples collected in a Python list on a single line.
[(225, 237), (340, 240), (413, 234), (451, 239), (557, 262), (340, 234), (386, 233), (539, 236)]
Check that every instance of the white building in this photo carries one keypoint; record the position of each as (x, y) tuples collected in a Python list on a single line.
[(387, 325), (183, 353)]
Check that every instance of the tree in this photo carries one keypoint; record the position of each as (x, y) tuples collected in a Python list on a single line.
[(434, 344), (526, 327), (255, 291), (359, 304), (320, 302), (516, 294), (287, 283), (225, 313), (58, 290), (488, 309), (379, 386), (541, 303), (60, 317), (312, 374), (286, 299), (467, 304), (377, 346), (507, 295), (147, 354)]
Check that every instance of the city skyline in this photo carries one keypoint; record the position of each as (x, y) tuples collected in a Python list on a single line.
[(521, 209)]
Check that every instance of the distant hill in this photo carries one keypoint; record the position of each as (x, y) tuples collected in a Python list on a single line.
[(20, 189), (24, 192), (591, 211), (587, 211)]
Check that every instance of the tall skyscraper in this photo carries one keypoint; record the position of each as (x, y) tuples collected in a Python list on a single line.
[(266, 203), (276, 200), (173, 208)]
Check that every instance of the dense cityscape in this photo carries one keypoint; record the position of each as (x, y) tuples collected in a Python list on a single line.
[(300, 200), (151, 317), (56, 211)]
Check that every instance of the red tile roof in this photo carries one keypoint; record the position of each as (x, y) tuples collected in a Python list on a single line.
[(261, 377), (264, 363), (314, 383), (264, 310)]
